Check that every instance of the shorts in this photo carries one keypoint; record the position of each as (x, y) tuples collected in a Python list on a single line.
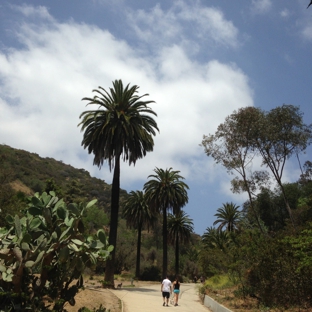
[(176, 291), (165, 294)]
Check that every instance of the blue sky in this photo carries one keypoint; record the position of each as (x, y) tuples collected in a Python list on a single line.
[(198, 60)]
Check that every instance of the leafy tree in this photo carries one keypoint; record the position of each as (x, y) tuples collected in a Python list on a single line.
[(120, 128), (306, 176), (180, 227), (138, 215), (275, 136), (166, 191), (278, 134), (228, 216), (271, 209), (232, 147)]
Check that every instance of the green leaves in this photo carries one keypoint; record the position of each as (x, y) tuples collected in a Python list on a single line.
[(50, 241), (102, 237), (121, 125), (91, 203)]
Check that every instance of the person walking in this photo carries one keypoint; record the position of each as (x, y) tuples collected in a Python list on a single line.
[(176, 290), (166, 289)]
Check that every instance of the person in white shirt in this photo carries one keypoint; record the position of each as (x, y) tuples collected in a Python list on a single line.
[(166, 289)]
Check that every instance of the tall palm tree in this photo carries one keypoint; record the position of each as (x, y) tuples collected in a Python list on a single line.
[(180, 227), (166, 191), (228, 216), (138, 214), (213, 238), (120, 127)]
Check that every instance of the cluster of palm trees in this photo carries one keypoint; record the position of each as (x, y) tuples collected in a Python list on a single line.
[(121, 127), (228, 218), (164, 191)]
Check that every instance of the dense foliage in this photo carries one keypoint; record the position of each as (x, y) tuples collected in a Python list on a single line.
[(44, 254), (265, 248)]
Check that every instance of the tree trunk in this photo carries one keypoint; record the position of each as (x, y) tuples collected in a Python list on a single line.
[(287, 205), (177, 256), (165, 253), (251, 202), (112, 240), (137, 269)]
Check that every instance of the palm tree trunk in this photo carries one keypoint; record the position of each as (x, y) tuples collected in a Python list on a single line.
[(137, 269), (112, 240), (177, 259), (165, 252)]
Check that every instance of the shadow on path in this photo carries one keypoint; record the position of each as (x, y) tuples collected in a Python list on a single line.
[(138, 289)]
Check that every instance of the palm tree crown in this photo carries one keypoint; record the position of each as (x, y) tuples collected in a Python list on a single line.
[(120, 126), (228, 216), (213, 238), (180, 227), (166, 190), (137, 212)]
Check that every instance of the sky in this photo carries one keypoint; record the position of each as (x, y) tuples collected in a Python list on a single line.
[(198, 60)]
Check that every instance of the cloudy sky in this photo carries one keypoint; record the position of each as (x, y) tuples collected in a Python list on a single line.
[(198, 60)]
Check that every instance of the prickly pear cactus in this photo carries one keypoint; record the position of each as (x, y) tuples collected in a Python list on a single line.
[(44, 254)]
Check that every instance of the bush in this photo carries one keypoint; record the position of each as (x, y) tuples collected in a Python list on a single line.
[(100, 309), (270, 270), (44, 253), (151, 273)]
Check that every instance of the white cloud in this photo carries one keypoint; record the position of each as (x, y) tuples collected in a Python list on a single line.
[(174, 26), (42, 86), (285, 13), (32, 11), (261, 6), (307, 31)]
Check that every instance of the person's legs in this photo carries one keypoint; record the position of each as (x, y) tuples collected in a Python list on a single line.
[(176, 297), (166, 296)]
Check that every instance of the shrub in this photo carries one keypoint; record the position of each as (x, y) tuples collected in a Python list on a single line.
[(271, 272), (151, 273), (44, 253)]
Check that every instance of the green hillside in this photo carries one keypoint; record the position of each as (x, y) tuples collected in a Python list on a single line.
[(23, 173)]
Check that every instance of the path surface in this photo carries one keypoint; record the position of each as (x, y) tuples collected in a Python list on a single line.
[(149, 298)]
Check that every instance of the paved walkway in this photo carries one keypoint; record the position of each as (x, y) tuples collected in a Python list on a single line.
[(149, 298)]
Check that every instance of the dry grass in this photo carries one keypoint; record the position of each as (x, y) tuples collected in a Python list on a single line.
[(227, 298), (17, 185)]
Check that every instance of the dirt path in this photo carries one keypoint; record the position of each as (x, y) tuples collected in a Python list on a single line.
[(148, 298), (142, 296)]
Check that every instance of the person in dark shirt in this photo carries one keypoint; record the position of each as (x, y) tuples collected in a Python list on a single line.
[(176, 290)]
